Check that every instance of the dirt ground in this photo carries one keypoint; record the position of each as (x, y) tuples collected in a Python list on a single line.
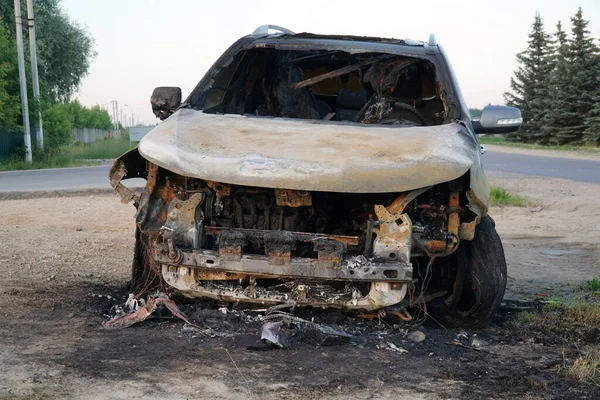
[(63, 257)]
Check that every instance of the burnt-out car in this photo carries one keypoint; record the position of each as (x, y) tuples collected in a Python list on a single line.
[(329, 171)]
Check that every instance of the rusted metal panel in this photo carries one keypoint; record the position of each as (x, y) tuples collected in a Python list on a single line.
[(301, 236), (182, 216), (381, 294), (453, 218), (115, 175), (435, 247), (230, 245), (326, 268), (279, 246), (293, 198), (330, 253), (466, 230)]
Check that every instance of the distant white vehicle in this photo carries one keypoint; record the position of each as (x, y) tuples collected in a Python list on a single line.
[(482, 149)]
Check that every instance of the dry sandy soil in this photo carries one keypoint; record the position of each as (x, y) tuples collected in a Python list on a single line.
[(59, 254)]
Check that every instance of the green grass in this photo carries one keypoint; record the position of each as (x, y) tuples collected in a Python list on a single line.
[(75, 155), (500, 141), (593, 285), (55, 161), (500, 196), (582, 312), (102, 149)]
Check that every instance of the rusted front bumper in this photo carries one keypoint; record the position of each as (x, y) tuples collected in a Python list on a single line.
[(209, 274), (354, 269)]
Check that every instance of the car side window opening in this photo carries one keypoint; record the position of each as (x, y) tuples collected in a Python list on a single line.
[(369, 88)]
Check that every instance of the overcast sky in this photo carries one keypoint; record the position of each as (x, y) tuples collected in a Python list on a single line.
[(142, 44)]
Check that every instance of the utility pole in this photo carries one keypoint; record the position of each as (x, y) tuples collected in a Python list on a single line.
[(114, 113), (117, 114), (127, 120), (21, 59), (39, 132)]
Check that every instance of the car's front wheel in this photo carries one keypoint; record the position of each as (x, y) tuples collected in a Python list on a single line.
[(481, 281)]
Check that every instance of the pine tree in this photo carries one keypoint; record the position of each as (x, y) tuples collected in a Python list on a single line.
[(530, 81), (592, 125), (579, 87), (556, 103)]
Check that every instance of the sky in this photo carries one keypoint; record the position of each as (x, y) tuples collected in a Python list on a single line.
[(142, 44)]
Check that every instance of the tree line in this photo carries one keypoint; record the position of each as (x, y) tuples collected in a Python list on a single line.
[(65, 51), (557, 85)]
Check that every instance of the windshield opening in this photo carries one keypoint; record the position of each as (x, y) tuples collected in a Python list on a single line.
[(368, 88)]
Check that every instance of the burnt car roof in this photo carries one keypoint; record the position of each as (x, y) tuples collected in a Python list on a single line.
[(316, 36), (285, 39), (312, 41)]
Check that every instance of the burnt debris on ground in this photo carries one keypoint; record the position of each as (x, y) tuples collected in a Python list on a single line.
[(482, 360), (282, 326), (511, 362)]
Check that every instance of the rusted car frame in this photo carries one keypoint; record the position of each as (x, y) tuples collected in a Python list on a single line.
[(338, 172)]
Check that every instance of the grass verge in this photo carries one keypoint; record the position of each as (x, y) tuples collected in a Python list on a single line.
[(500, 196), (500, 141), (74, 155), (561, 317), (102, 149), (593, 285), (586, 368)]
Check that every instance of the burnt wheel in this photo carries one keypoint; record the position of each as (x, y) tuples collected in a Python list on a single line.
[(480, 282), (145, 273)]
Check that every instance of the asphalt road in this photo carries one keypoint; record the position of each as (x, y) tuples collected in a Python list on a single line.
[(552, 167), (494, 162), (58, 179)]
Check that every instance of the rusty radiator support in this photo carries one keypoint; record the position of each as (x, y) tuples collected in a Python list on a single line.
[(453, 221)]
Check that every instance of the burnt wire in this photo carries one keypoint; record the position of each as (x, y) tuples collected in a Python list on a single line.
[(418, 303), (153, 274)]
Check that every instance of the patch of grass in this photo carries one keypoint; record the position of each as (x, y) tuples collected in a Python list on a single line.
[(40, 162), (593, 285), (500, 196), (70, 156), (101, 149), (500, 141), (560, 317), (586, 368)]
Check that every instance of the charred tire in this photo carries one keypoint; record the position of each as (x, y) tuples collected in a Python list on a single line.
[(145, 273), (481, 281)]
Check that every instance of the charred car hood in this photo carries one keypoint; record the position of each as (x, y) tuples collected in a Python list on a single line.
[(307, 154)]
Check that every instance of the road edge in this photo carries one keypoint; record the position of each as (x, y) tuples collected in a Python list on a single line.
[(38, 194), (541, 152)]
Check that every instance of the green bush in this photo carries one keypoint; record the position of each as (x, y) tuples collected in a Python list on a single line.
[(58, 124), (93, 117)]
